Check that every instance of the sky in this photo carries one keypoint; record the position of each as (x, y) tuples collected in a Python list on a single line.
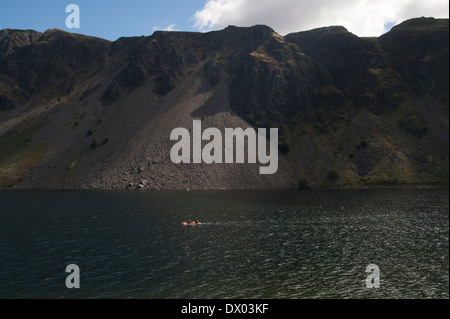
[(114, 19)]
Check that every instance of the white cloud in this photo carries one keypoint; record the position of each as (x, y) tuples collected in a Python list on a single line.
[(362, 17), (170, 27)]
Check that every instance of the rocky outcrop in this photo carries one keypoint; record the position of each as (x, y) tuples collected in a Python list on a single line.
[(11, 40)]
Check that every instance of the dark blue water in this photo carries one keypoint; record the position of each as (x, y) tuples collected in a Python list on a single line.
[(253, 244)]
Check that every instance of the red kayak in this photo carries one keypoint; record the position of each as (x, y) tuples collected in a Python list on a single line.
[(185, 223)]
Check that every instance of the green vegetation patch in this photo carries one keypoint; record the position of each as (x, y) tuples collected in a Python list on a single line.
[(16, 159), (302, 182), (13, 174), (333, 175), (415, 124)]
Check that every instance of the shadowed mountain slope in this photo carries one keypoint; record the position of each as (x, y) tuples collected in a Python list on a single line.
[(82, 112)]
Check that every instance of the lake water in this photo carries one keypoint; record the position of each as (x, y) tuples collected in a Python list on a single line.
[(253, 244)]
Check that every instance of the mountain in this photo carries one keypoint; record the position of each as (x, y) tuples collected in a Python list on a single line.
[(79, 112)]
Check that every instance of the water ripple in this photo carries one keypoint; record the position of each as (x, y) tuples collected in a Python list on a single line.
[(264, 244)]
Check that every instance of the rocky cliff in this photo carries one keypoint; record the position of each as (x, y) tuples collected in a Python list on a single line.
[(79, 112)]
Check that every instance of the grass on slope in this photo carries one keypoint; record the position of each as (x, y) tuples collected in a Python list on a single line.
[(16, 159)]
